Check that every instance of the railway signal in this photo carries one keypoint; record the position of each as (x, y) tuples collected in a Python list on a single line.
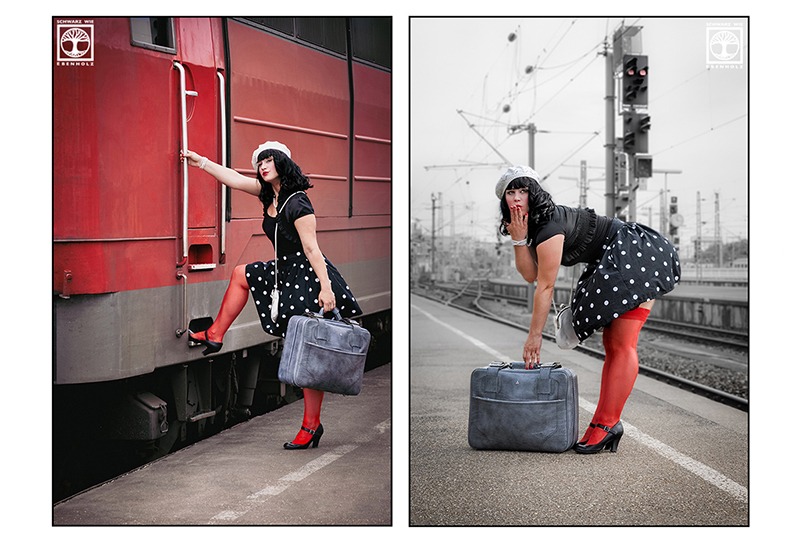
[(635, 80), (643, 166), (675, 221), (630, 130)]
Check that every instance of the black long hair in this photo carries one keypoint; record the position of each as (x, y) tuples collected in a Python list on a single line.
[(291, 178), (540, 205)]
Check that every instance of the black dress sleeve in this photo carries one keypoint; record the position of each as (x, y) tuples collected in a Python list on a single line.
[(546, 231), (298, 205)]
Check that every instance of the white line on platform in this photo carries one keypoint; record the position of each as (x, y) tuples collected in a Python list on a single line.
[(288, 480), (715, 478)]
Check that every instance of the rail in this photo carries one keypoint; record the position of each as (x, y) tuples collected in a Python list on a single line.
[(222, 103), (689, 385), (185, 178)]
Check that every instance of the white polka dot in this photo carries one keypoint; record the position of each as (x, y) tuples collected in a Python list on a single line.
[(625, 302), (614, 289)]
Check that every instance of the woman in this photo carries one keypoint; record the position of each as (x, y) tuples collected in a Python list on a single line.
[(307, 280), (628, 266)]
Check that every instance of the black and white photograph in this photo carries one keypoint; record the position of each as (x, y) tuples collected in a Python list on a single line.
[(579, 271)]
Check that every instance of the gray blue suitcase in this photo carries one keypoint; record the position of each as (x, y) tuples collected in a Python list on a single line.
[(515, 409), (324, 354)]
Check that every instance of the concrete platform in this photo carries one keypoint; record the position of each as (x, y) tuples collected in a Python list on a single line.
[(682, 462), (243, 476)]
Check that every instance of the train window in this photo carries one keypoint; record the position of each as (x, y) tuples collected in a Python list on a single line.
[(371, 40), (281, 24), (371, 36), (327, 32), (155, 33)]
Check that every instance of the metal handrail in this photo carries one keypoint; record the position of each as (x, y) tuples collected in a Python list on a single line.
[(185, 188), (222, 96)]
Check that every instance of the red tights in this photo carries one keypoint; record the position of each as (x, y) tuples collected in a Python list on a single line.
[(312, 415), (620, 370), (235, 298)]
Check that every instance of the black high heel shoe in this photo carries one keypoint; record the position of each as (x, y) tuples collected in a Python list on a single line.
[(314, 441), (211, 347), (610, 441), (584, 442)]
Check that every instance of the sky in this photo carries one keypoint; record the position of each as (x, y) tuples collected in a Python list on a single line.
[(471, 86)]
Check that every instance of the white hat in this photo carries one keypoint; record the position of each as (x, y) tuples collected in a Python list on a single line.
[(512, 173), (269, 145)]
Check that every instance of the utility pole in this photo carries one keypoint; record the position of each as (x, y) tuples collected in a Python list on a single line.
[(697, 251), (609, 130), (583, 185), (531, 128), (433, 237), (718, 232)]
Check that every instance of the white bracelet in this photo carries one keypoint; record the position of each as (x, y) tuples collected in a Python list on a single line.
[(524, 242), (203, 163)]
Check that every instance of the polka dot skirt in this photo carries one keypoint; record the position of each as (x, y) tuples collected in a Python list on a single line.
[(638, 265), (299, 291)]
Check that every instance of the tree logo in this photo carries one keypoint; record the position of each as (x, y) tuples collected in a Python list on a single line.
[(75, 44), (725, 45)]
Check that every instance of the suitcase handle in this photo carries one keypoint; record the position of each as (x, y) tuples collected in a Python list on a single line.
[(521, 365)]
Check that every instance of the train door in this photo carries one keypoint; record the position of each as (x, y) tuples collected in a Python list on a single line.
[(201, 124)]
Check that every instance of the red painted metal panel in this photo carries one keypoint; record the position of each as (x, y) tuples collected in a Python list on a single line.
[(117, 174), (296, 95)]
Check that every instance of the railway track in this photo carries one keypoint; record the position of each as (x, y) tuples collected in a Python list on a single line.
[(470, 300), (696, 333)]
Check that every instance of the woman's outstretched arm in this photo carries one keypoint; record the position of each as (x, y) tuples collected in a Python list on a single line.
[(227, 176)]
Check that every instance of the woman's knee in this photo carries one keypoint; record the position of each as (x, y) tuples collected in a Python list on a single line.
[(239, 275)]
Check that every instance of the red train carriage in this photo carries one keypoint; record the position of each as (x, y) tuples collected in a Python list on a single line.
[(144, 246)]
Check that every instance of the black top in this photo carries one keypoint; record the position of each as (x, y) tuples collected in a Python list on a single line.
[(289, 242), (586, 233)]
